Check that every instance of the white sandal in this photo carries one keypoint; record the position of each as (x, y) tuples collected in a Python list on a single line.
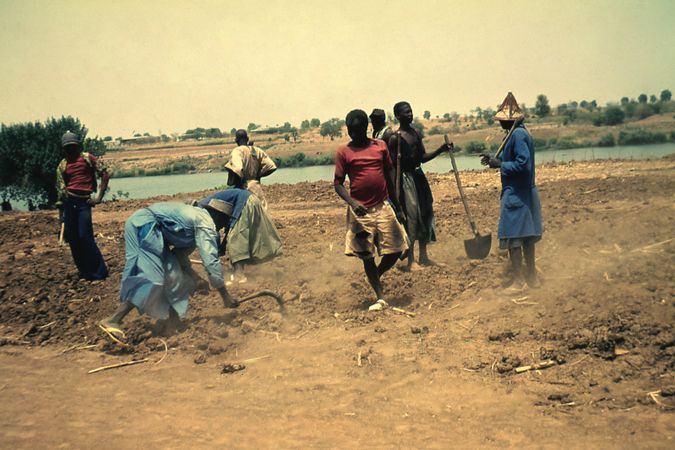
[(379, 305)]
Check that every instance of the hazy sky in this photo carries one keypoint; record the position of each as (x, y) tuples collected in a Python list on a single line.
[(123, 66)]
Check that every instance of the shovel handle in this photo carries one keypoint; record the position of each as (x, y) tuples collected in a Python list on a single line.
[(398, 167), (474, 229), (506, 139)]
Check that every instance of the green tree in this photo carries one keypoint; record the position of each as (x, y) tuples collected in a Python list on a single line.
[(666, 95), (542, 108), (233, 131), (489, 116), (644, 110), (446, 116), (304, 125), (652, 98), (315, 123), (624, 101), (332, 128), (107, 139), (642, 98), (479, 112), (630, 108), (613, 115), (252, 126), (427, 115), (30, 153), (584, 104)]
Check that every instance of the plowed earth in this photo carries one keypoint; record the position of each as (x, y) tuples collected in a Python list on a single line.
[(327, 373)]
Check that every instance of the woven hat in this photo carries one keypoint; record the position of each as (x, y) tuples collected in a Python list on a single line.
[(221, 206), (509, 109)]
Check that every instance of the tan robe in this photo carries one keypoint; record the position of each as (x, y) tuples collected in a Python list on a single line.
[(251, 163)]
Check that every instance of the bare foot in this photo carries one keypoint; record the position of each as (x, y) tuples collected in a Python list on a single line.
[(430, 262), (412, 267)]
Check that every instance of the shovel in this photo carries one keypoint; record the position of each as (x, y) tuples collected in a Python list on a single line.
[(479, 246)]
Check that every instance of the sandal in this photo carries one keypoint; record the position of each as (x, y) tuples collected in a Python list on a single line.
[(379, 305), (112, 331)]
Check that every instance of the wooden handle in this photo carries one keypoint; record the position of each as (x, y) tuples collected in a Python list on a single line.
[(513, 127), (472, 224), (398, 168)]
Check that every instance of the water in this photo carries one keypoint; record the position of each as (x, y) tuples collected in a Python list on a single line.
[(143, 187)]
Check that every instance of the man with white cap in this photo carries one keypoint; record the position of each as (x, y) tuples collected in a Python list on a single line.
[(520, 224)]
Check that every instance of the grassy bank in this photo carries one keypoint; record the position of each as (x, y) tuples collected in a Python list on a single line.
[(630, 136)]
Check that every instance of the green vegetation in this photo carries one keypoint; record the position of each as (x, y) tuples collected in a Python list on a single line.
[(542, 108), (302, 160), (332, 128), (30, 153), (475, 147), (638, 136), (606, 140), (202, 133)]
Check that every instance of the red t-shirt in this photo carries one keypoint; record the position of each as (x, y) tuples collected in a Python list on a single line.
[(366, 170), (79, 175)]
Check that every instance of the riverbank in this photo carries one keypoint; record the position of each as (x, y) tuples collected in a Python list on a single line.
[(311, 149)]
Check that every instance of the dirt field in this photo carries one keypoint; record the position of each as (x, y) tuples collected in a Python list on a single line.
[(328, 373)]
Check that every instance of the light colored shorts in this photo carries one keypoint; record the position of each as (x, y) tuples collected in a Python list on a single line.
[(378, 229)]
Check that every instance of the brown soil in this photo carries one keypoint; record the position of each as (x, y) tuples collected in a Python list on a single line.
[(328, 373)]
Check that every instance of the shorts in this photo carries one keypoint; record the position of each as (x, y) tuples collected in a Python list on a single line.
[(378, 229)]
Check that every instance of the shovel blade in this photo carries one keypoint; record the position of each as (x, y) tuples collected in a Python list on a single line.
[(478, 247)]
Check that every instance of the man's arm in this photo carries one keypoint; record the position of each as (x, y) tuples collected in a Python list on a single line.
[(267, 165), (102, 171), (60, 185), (341, 190), (426, 157), (340, 172)]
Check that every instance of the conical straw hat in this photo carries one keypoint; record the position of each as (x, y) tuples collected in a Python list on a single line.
[(509, 109)]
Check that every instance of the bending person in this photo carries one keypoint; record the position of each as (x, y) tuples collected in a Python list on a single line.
[(158, 278), (249, 235)]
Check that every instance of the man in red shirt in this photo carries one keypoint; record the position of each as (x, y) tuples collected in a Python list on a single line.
[(371, 221), (76, 182)]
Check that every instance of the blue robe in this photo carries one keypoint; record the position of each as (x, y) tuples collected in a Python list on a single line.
[(520, 208), (158, 241)]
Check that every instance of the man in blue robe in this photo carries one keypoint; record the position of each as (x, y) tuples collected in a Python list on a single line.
[(520, 224), (158, 278)]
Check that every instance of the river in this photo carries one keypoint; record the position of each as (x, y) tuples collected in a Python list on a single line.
[(143, 187)]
